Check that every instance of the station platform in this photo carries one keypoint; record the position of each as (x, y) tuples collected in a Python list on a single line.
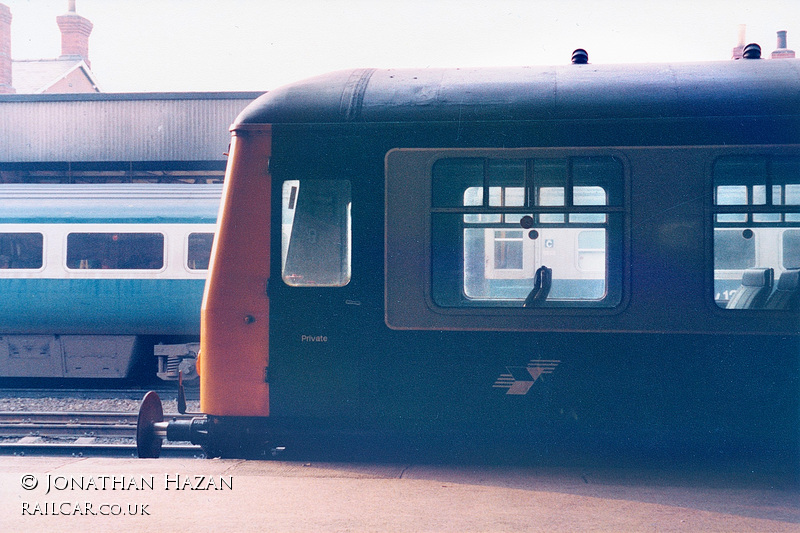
[(74, 494)]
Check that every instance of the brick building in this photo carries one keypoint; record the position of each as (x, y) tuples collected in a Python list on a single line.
[(69, 73)]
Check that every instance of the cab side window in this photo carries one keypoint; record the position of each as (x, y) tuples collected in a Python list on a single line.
[(315, 233)]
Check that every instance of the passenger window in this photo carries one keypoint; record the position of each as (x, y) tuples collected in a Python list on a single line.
[(592, 250), (734, 249), (756, 219), (791, 249), (115, 251), (199, 251), (21, 250), (495, 222), (316, 233)]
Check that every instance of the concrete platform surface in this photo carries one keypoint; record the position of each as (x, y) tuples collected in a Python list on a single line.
[(94, 495)]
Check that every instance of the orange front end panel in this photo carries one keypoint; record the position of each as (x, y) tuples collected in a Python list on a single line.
[(234, 352)]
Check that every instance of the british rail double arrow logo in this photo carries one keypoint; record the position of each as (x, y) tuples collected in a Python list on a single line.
[(519, 379)]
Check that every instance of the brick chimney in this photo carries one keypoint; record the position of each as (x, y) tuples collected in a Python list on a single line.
[(75, 31), (782, 52), (5, 50)]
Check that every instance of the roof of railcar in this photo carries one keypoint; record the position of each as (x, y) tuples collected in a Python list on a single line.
[(109, 203), (729, 88)]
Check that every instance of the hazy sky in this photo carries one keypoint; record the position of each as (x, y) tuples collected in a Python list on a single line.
[(222, 45)]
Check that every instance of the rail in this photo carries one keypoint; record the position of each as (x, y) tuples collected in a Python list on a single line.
[(78, 433)]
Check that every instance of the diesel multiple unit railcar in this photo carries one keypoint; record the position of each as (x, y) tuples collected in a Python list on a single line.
[(584, 257), (94, 278)]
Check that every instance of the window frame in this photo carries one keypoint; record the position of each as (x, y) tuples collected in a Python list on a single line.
[(572, 212), (43, 250), (188, 249), (409, 303), (161, 234), (761, 209), (312, 221)]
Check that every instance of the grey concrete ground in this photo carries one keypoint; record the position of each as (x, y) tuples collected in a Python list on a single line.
[(171, 495)]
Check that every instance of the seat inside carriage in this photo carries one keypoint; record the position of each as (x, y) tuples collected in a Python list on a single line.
[(755, 289), (787, 292)]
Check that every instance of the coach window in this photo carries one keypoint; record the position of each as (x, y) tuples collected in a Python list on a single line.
[(199, 251), (115, 251), (315, 233), (756, 226), (791, 249), (497, 221), (21, 250)]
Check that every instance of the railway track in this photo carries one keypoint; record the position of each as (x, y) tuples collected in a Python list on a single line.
[(79, 433)]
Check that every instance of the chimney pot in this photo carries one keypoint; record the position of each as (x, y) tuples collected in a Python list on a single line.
[(738, 50), (742, 33), (782, 39), (75, 31), (782, 51)]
